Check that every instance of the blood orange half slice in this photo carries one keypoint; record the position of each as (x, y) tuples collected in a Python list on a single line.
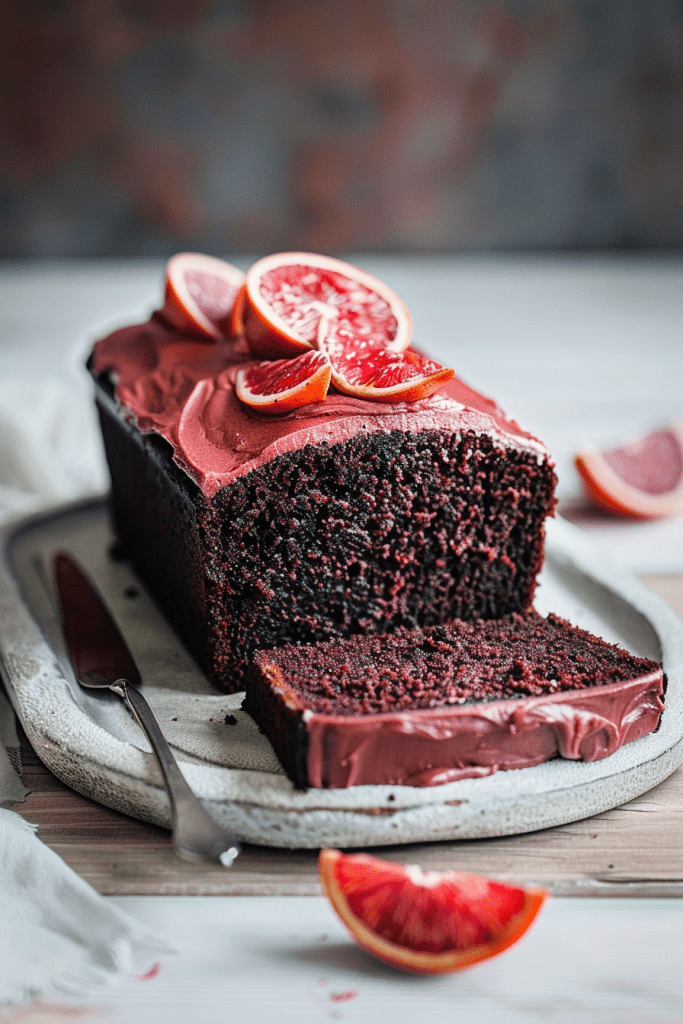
[(365, 369), (425, 922), (200, 294), (285, 384), (642, 479), (290, 293), (235, 322)]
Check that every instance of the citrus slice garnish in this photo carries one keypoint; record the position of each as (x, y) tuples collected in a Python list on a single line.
[(235, 322), (366, 369), (289, 294), (200, 294), (425, 922), (642, 479), (284, 384)]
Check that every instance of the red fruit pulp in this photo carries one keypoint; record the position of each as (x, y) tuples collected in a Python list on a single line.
[(301, 295), (368, 365), (283, 374), (214, 295), (438, 915), (653, 464)]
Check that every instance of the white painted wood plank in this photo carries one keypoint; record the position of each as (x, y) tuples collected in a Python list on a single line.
[(288, 959)]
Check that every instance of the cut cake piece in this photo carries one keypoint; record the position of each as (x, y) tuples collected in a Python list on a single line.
[(340, 518), (453, 701)]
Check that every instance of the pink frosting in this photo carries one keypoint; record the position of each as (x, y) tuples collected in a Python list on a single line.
[(184, 389), (435, 746)]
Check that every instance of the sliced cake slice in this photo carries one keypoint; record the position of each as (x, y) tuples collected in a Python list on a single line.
[(428, 706)]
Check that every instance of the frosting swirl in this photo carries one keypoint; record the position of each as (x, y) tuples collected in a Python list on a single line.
[(184, 390)]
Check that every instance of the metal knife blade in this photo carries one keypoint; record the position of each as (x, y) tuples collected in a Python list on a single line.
[(101, 659), (98, 652)]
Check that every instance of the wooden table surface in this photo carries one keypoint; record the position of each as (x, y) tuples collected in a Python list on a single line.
[(636, 849)]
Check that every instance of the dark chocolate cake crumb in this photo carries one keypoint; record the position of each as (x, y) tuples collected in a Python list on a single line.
[(455, 663), (385, 532)]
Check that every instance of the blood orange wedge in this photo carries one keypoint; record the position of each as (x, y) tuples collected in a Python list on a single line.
[(285, 384), (365, 369), (425, 922), (642, 479), (290, 293), (200, 294)]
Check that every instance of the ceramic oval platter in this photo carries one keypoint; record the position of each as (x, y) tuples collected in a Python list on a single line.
[(90, 741)]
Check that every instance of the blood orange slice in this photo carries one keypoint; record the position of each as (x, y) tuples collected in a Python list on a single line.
[(200, 294), (366, 369), (285, 384), (235, 322), (642, 479), (289, 294), (425, 922)]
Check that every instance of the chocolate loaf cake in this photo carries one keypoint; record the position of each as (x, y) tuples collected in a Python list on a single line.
[(342, 518), (454, 701)]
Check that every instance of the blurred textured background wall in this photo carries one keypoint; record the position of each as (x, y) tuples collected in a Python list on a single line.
[(137, 127)]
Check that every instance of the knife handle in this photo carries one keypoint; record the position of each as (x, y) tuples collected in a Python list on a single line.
[(196, 836)]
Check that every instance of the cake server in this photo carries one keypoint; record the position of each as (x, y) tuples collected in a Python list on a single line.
[(101, 660)]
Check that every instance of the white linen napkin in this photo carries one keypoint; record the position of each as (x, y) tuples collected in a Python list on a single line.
[(49, 443), (57, 934)]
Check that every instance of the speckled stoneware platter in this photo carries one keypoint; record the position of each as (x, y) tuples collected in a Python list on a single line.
[(90, 741)]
